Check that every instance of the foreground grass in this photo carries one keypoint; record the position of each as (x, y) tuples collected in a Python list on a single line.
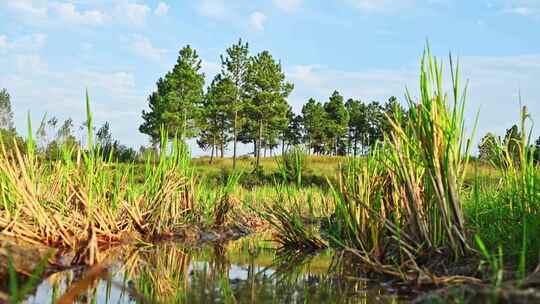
[(416, 209)]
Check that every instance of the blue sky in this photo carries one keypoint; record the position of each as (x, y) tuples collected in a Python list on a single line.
[(50, 51)]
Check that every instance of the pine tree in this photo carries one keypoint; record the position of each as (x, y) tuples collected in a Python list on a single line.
[(175, 103), (214, 119), (267, 91), (376, 120), (235, 67), (338, 121), (314, 120), (292, 133), (153, 118), (358, 124)]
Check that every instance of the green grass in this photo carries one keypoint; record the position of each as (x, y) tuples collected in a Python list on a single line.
[(416, 196)]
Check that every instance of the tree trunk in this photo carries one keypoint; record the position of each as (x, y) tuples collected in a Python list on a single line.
[(185, 125), (283, 146), (259, 145), (213, 148), (222, 146), (235, 138)]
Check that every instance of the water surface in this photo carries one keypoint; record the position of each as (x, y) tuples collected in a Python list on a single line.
[(248, 270)]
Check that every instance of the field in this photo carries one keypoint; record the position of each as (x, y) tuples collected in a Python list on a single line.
[(415, 210)]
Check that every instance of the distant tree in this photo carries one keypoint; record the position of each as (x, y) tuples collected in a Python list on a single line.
[(105, 141), (314, 119), (8, 134), (64, 140), (235, 67), (267, 92), (174, 105), (122, 153), (46, 132), (293, 134), (65, 132), (358, 124), (145, 154), (214, 119), (248, 132), (391, 108), (512, 139), (338, 121), (103, 135), (41, 135), (6, 113), (487, 149), (376, 121)]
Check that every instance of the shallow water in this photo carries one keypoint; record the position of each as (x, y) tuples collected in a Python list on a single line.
[(243, 271)]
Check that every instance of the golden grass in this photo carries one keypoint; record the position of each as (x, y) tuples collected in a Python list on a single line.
[(83, 205)]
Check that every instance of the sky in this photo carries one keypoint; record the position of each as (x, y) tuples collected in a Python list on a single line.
[(52, 51)]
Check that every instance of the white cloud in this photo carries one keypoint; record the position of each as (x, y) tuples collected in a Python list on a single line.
[(523, 11), (288, 5), (3, 42), (212, 8), (257, 20), (30, 9), (524, 8), (381, 6), (143, 47), (67, 12), (161, 9), (32, 64), (397, 6), (62, 12), (27, 43), (135, 13), (117, 83)]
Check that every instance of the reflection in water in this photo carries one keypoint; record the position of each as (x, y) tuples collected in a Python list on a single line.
[(237, 272)]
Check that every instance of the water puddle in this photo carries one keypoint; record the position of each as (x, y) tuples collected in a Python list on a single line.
[(248, 270)]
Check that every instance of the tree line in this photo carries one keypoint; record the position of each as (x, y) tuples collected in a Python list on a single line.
[(247, 102), (53, 137), (490, 144)]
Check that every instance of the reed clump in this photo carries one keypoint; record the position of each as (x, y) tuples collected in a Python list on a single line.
[(399, 209), (83, 202)]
